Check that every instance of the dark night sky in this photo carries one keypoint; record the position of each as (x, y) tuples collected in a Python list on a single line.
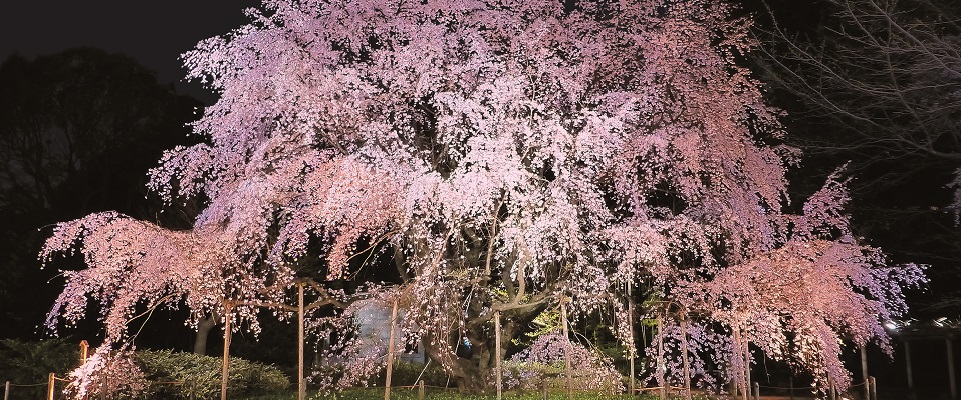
[(154, 33)]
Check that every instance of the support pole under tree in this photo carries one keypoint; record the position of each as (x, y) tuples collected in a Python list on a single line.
[(907, 362), (864, 371), (747, 365), (228, 308), (50, 381), (951, 380), (301, 385), (83, 351), (6, 391), (661, 366), (684, 357), (390, 350), (497, 351), (567, 347), (630, 323)]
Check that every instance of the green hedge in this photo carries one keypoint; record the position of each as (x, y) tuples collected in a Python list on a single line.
[(176, 375)]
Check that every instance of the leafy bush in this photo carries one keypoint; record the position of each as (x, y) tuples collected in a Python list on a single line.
[(405, 373), (176, 375), (543, 363), (29, 362)]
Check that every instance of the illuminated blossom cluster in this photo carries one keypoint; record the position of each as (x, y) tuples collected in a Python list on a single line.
[(544, 362), (510, 155), (106, 374)]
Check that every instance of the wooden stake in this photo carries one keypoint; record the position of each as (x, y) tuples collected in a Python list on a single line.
[(6, 391), (864, 371), (738, 380), (684, 356), (907, 363), (390, 350), (224, 370), (83, 351), (567, 348), (951, 380), (630, 323), (747, 365), (50, 380), (497, 351), (661, 366), (301, 385)]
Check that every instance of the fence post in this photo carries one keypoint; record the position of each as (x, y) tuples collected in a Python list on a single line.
[(421, 392), (6, 391), (390, 350), (497, 352), (50, 380), (790, 390), (757, 391), (874, 388), (567, 347)]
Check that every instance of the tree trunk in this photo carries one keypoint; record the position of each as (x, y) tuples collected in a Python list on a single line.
[(203, 331), (470, 373)]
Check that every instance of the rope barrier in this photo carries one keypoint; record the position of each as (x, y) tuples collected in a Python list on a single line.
[(168, 383), (28, 385), (804, 387)]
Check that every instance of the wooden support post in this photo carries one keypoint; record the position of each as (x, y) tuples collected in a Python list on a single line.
[(390, 350), (873, 388), (747, 365), (301, 384), (864, 371), (6, 391), (50, 385), (84, 346), (224, 372), (567, 348), (684, 358), (497, 352), (790, 390), (831, 393), (661, 366), (421, 390), (951, 378), (632, 352), (757, 391), (907, 362)]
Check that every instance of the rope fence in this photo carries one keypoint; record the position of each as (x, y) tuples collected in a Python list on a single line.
[(421, 387)]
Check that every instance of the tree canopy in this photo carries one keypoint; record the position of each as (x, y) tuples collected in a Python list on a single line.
[(509, 156)]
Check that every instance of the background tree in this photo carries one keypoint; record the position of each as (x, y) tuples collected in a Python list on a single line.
[(78, 131), (509, 157), (874, 84)]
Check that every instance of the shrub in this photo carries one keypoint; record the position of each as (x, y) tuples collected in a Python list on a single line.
[(543, 363), (29, 362), (176, 375), (405, 373)]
